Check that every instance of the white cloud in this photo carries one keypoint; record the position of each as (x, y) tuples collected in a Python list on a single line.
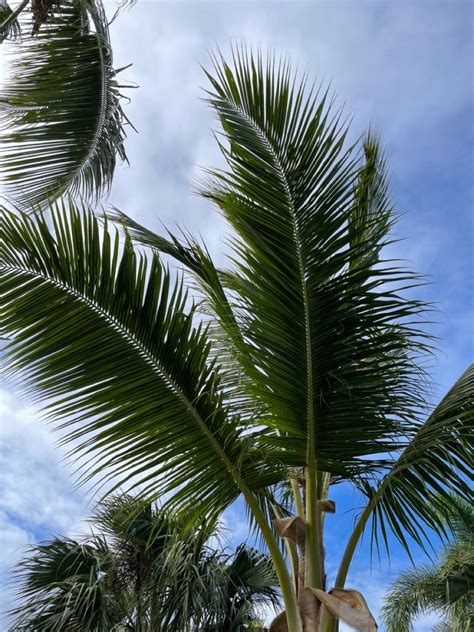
[(37, 492)]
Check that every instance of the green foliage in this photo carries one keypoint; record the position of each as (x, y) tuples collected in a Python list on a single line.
[(446, 587), (416, 493), (307, 354), (141, 573), (136, 359), (60, 113)]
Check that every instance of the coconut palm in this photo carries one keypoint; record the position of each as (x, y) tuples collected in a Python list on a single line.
[(61, 119), (300, 366), (446, 586), (137, 571)]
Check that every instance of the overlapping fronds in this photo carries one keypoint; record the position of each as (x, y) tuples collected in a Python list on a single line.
[(141, 573), (105, 337), (332, 340), (315, 321), (62, 587), (9, 25), (61, 120), (416, 494)]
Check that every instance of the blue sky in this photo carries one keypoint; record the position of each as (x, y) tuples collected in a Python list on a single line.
[(405, 67)]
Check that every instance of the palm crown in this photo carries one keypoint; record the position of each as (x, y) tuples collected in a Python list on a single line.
[(299, 367), (137, 571), (446, 586)]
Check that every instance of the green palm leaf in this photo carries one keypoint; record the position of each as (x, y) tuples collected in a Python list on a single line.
[(417, 492), (141, 573), (60, 113), (109, 343), (332, 344), (447, 587), (313, 318)]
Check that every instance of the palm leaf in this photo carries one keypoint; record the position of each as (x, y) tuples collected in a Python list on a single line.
[(447, 587), (417, 493), (62, 586), (313, 318), (105, 337), (332, 340), (60, 113)]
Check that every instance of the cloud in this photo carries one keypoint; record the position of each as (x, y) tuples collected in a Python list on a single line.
[(37, 489)]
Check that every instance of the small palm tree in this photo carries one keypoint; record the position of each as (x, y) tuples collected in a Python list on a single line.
[(299, 367), (61, 120), (446, 587), (138, 572)]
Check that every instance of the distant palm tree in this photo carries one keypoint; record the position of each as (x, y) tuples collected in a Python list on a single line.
[(299, 367), (446, 587), (61, 119), (138, 572)]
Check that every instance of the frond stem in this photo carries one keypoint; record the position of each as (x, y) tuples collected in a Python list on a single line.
[(313, 561)]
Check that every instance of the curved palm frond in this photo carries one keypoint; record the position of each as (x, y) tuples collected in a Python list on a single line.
[(310, 313), (446, 587), (108, 342), (61, 120), (415, 592), (417, 493), (333, 342)]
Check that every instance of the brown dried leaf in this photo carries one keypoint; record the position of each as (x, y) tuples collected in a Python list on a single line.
[(348, 605)]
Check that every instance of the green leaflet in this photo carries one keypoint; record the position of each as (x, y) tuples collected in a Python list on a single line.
[(61, 118)]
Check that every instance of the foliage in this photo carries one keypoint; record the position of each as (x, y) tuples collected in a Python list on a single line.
[(446, 587), (139, 572), (300, 366), (61, 119)]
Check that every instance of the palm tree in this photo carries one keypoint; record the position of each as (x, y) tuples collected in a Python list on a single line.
[(446, 587), (138, 572), (61, 120), (300, 367)]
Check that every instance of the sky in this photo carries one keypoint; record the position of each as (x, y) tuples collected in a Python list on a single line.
[(405, 67)]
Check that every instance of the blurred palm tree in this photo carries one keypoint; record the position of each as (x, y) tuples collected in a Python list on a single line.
[(446, 587), (137, 571)]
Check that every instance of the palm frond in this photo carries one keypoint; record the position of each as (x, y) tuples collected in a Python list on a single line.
[(61, 585), (61, 120), (335, 347), (9, 25), (417, 493), (446, 587), (415, 591), (105, 339)]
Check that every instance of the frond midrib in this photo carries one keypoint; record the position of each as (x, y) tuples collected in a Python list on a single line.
[(102, 110), (311, 456)]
